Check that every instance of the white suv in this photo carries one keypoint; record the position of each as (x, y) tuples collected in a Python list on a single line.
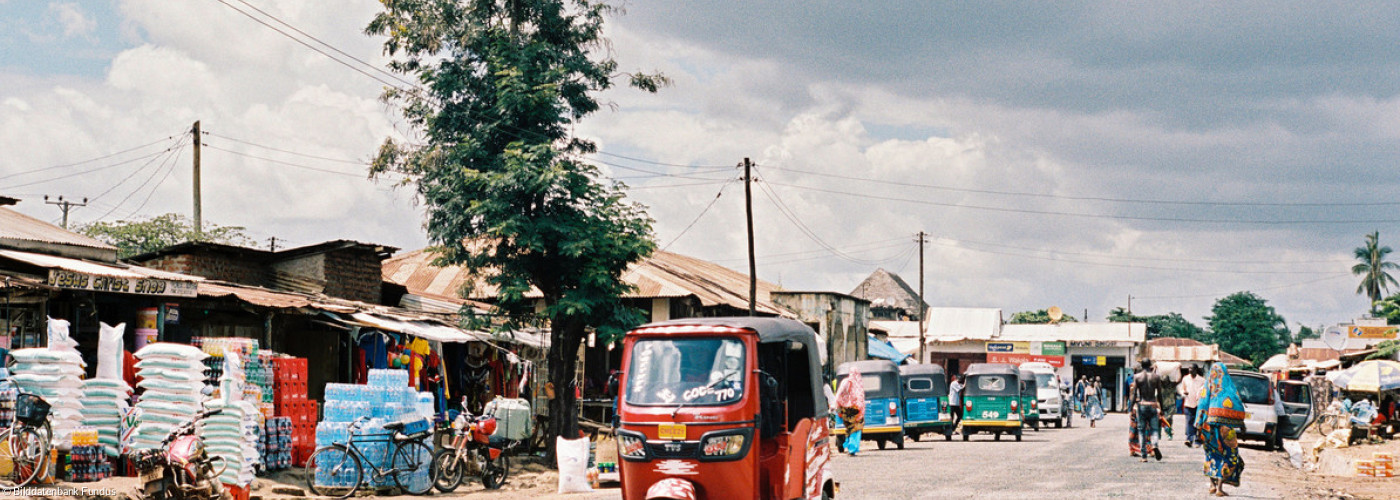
[(1269, 417), (1049, 400)]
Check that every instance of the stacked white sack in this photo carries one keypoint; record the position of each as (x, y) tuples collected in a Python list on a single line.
[(173, 380), (223, 437), (54, 373), (107, 397)]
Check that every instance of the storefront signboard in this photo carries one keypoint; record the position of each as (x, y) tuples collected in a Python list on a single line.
[(1372, 332), (1048, 348), (1016, 347), (1017, 358), (1091, 360), (63, 278), (1095, 343)]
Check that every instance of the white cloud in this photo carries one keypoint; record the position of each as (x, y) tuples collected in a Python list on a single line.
[(73, 19)]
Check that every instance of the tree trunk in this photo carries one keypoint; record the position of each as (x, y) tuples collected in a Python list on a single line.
[(566, 333)]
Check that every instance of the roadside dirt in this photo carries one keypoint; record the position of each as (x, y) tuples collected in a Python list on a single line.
[(1334, 476)]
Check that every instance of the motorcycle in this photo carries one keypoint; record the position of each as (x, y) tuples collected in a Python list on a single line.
[(472, 451), (181, 469)]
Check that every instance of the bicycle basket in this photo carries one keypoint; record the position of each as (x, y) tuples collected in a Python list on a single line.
[(31, 409)]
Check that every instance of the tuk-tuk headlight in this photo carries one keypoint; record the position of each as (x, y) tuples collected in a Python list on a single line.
[(725, 445), (631, 446)]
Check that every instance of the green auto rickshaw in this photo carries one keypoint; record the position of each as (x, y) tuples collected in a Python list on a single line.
[(926, 401), (883, 397), (992, 400), (1030, 409)]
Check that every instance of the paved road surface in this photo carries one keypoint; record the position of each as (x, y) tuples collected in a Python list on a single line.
[(1081, 462)]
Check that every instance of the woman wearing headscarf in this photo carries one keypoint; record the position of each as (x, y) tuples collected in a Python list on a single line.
[(1219, 415), (850, 405), (1093, 407)]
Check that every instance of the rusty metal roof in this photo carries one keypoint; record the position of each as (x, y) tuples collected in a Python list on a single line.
[(23, 232), (664, 275)]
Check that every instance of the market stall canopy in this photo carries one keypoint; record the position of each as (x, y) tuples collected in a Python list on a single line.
[(884, 350), (1374, 375), (1277, 363), (423, 329)]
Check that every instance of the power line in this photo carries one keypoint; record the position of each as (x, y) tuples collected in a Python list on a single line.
[(178, 144), (1089, 215), (88, 171), (241, 141), (1090, 198), (90, 160), (792, 217), (698, 216), (1130, 266), (327, 45), (168, 171), (1153, 259), (688, 184), (1199, 296), (287, 163), (654, 162), (138, 189), (865, 247)]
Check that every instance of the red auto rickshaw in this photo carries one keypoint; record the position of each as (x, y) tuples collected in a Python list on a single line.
[(723, 408)]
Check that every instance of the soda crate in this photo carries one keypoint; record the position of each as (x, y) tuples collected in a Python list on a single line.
[(302, 452), (289, 369)]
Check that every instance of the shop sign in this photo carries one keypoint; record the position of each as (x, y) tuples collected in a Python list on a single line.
[(1016, 347), (172, 314), (1372, 332), (1052, 348), (1091, 360), (1016, 358), (63, 278), (1093, 343)]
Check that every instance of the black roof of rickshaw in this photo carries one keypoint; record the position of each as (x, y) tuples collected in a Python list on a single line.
[(770, 330), (867, 367), (922, 369), (992, 369)]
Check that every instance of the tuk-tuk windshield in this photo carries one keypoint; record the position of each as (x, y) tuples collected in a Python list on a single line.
[(693, 371), (993, 384)]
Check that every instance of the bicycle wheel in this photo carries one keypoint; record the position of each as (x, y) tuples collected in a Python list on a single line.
[(493, 474), (334, 471), (447, 470), (411, 471), (24, 455)]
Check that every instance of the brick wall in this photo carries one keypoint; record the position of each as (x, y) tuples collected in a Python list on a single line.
[(354, 273), (213, 267)]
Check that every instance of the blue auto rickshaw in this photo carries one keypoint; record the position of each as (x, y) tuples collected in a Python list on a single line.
[(926, 401), (883, 422)]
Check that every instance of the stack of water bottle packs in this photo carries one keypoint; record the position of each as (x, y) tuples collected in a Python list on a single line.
[(87, 459), (386, 398), (54, 374), (172, 376), (8, 394), (277, 444), (104, 403)]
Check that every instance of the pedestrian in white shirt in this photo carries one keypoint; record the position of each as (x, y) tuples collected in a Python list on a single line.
[(1190, 391)]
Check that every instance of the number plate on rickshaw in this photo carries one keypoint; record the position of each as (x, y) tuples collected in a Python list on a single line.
[(154, 474), (674, 432)]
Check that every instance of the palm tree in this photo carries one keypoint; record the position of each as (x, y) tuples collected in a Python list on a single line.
[(1372, 269)]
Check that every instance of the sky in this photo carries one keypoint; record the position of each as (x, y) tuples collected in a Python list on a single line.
[(1067, 154)]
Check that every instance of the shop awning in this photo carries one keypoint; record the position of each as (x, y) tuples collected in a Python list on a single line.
[(883, 350), (422, 329), (77, 274)]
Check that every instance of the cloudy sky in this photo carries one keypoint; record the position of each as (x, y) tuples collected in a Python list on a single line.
[(1068, 155)]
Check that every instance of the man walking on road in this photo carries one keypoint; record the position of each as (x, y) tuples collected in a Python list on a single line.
[(1146, 383), (955, 390), (1190, 392)]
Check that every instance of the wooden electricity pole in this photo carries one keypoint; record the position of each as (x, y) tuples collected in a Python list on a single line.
[(922, 238), (748, 214), (65, 206), (198, 209)]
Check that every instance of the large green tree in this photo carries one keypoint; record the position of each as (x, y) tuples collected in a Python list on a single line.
[(494, 158), (135, 237), (1373, 269), (1161, 325), (1246, 325)]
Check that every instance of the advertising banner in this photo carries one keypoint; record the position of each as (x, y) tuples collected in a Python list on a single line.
[(1010, 347), (63, 278), (1018, 358), (1372, 332), (1052, 348)]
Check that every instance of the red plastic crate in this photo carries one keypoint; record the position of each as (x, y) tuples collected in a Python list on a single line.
[(302, 452), (289, 369)]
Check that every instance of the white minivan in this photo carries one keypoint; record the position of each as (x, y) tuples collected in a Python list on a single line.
[(1270, 417), (1047, 394)]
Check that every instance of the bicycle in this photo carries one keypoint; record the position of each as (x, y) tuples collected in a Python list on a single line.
[(24, 450), (340, 466)]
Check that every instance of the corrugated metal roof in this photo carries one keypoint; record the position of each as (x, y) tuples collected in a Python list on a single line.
[(27, 233), (953, 324), (664, 275), (898, 329), (886, 289), (1071, 332)]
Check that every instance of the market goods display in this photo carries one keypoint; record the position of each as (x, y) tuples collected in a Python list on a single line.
[(223, 436), (54, 373), (87, 460), (277, 444), (172, 376), (104, 403), (386, 398)]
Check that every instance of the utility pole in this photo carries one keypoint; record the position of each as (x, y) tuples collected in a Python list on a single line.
[(1130, 305), (748, 214), (198, 208), (272, 243), (922, 238), (65, 206)]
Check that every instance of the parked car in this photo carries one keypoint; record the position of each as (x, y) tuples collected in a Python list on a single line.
[(1269, 417), (1051, 403)]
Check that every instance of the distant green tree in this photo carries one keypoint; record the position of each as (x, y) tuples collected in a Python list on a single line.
[(135, 237), (1389, 308), (1386, 350), (1172, 325), (1037, 318), (1372, 269), (1246, 325), (1304, 333)]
